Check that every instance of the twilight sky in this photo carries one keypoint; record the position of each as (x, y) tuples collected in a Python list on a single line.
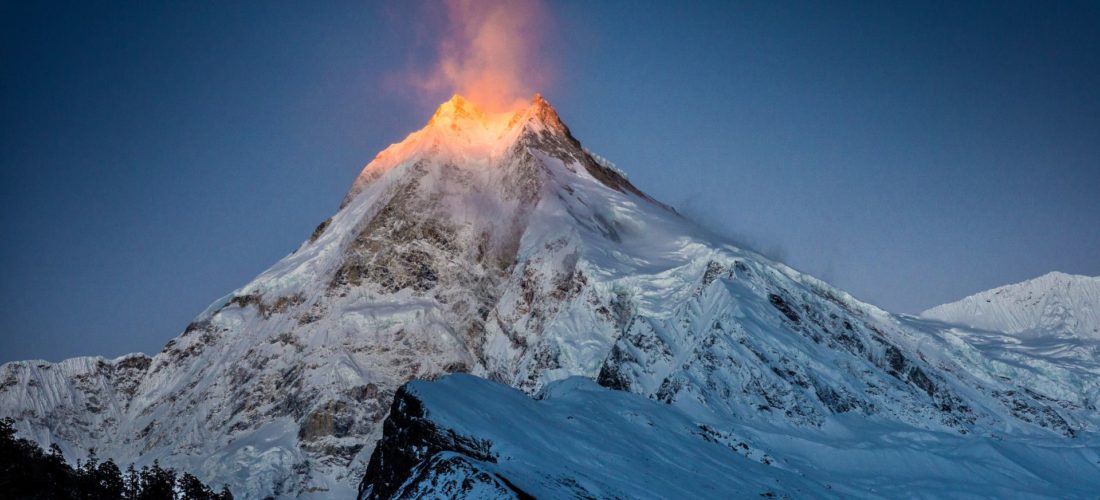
[(155, 157)]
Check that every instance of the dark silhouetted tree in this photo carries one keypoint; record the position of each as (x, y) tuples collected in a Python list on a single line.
[(157, 483), (133, 484), (27, 472), (193, 489), (109, 479)]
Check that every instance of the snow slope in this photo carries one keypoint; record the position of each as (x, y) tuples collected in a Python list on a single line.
[(1053, 305), (498, 246)]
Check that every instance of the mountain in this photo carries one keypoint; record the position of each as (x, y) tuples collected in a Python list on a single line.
[(459, 249), (496, 245), (1053, 305)]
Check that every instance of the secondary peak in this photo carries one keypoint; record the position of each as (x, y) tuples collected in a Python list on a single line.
[(456, 110), (542, 111)]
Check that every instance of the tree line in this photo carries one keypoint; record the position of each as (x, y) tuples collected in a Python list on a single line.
[(28, 472)]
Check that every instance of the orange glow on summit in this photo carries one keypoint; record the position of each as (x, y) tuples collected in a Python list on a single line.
[(458, 111), (487, 54), (460, 127)]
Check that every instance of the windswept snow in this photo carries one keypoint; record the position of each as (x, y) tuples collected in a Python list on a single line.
[(1053, 305)]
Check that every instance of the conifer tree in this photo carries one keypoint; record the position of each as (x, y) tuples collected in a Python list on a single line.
[(133, 484), (28, 472), (109, 479)]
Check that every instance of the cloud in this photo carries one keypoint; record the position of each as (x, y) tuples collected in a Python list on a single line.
[(701, 211), (489, 51)]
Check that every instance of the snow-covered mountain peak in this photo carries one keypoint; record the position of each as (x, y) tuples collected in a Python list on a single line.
[(496, 244), (542, 115), (463, 135), (462, 123), (456, 110), (458, 116), (1055, 304), (1058, 277)]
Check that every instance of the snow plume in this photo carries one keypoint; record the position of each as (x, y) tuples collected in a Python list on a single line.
[(489, 53), (696, 209)]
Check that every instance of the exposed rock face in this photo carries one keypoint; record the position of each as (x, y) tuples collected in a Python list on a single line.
[(448, 475), (71, 400), (411, 438)]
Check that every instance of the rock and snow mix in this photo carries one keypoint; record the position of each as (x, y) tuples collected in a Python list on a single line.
[(497, 246), (463, 436), (466, 437)]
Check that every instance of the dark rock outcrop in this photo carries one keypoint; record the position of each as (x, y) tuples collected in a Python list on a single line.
[(413, 445)]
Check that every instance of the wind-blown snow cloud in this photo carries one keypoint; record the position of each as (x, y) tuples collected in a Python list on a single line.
[(489, 52)]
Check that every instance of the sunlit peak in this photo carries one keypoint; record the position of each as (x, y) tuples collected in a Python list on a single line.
[(457, 108), (460, 114), (460, 125)]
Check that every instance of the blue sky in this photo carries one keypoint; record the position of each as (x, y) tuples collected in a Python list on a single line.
[(157, 156)]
